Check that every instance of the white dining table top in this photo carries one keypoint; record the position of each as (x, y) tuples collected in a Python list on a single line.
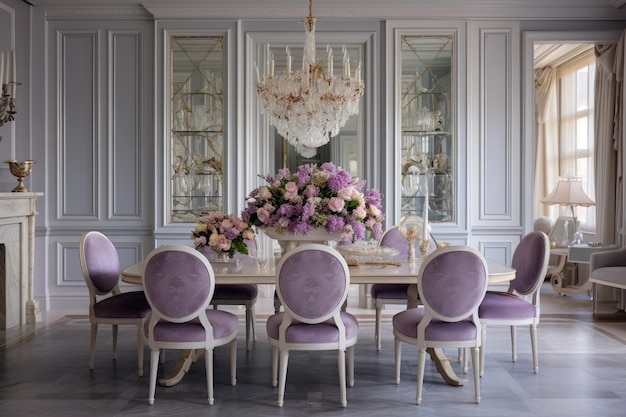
[(247, 272)]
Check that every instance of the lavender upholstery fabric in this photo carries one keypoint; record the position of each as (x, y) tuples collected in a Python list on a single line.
[(390, 291), (528, 260), (103, 270), (102, 262), (312, 333), (126, 305), (235, 291), (223, 322), (177, 283), (505, 305), (312, 283), (406, 323), (451, 285), (454, 275)]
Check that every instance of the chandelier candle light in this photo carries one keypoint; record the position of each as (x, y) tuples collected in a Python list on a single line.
[(8, 83), (309, 106)]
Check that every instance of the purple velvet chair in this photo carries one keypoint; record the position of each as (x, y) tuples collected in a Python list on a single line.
[(312, 284), (101, 270), (519, 305), (238, 294), (179, 283), (452, 282), (383, 294)]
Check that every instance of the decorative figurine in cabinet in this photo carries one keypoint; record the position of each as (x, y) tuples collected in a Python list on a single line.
[(427, 126), (196, 120)]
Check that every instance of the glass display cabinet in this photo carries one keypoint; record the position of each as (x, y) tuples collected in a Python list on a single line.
[(196, 126), (427, 126)]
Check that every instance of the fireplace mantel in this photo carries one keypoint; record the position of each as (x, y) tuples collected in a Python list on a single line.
[(17, 234)]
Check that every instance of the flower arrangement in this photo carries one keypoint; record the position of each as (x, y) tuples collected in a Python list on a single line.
[(224, 233), (314, 197)]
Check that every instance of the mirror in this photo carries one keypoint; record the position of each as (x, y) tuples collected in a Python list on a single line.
[(427, 126), (196, 126)]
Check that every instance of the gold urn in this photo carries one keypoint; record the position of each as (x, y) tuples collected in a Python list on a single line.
[(20, 170)]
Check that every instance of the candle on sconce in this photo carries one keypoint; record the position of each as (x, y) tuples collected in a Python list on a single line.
[(14, 78), (330, 60), (425, 234), (288, 60), (1, 69), (258, 76)]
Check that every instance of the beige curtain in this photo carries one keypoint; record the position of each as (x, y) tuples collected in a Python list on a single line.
[(546, 156), (609, 137)]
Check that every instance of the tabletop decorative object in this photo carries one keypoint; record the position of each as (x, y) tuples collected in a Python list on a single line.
[(224, 233), (20, 170), (324, 199)]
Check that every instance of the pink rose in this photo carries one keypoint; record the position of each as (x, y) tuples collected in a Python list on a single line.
[(336, 204), (291, 190), (359, 213), (264, 193)]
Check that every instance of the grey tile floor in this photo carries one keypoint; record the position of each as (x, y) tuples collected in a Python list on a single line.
[(582, 372)]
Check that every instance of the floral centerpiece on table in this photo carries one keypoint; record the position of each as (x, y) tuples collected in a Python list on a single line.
[(224, 233), (315, 197)]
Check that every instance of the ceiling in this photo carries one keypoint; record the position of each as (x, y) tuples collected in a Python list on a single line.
[(552, 54)]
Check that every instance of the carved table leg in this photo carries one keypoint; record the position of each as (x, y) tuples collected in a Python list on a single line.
[(187, 357)]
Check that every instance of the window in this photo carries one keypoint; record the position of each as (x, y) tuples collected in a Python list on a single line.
[(575, 104)]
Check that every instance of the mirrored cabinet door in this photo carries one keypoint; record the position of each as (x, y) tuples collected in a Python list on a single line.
[(196, 126), (427, 122)]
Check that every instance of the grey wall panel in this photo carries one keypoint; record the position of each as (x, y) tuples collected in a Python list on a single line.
[(496, 122), (78, 120), (125, 118)]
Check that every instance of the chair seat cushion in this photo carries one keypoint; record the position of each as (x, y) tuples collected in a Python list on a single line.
[(312, 333), (246, 292), (497, 304), (615, 274), (125, 305), (390, 291), (406, 323), (224, 324)]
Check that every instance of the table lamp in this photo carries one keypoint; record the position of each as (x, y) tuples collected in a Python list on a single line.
[(569, 192)]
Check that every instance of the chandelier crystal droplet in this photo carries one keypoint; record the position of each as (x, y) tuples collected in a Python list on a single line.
[(311, 105)]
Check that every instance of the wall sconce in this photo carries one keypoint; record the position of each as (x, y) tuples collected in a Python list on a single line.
[(9, 85)]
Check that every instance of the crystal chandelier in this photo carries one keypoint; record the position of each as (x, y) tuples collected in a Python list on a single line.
[(309, 106)]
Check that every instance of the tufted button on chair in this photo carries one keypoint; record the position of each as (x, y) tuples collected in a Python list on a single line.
[(107, 304), (179, 283), (312, 284), (519, 305), (383, 294), (451, 283)]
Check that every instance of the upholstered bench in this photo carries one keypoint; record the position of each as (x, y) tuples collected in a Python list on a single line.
[(608, 268)]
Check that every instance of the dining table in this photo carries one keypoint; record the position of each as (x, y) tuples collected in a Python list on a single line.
[(245, 270)]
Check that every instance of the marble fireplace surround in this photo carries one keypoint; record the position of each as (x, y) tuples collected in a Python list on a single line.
[(17, 236)]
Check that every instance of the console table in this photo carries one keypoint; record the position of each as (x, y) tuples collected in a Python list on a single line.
[(577, 254), (17, 259)]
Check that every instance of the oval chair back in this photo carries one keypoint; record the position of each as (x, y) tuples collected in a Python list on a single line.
[(452, 283), (530, 274), (100, 263), (178, 283), (311, 293)]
